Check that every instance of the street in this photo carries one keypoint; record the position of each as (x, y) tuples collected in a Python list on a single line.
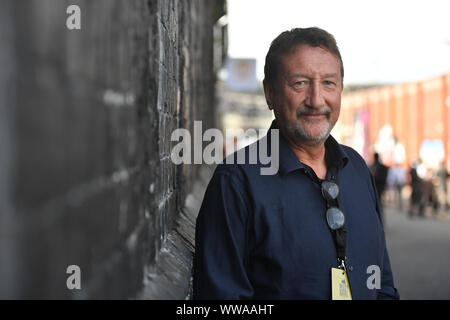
[(419, 250)]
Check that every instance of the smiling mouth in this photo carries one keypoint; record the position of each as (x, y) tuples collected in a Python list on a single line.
[(314, 116)]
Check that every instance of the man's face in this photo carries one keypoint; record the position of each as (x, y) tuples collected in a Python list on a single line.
[(306, 97)]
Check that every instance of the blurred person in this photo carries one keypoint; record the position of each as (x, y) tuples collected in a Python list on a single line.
[(379, 172), (422, 169), (279, 236), (397, 179), (426, 192), (429, 197), (443, 176), (416, 190)]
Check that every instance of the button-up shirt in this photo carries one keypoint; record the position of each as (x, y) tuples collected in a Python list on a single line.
[(266, 236)]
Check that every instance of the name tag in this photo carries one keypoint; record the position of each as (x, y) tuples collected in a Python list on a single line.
[(340, 287)]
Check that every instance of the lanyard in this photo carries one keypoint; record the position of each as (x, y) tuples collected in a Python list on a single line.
[(339, 235)]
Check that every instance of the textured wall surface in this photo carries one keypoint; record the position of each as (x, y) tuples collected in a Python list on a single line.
[(86, 118)]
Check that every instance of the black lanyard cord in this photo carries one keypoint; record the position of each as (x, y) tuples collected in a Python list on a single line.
[(339, 235)]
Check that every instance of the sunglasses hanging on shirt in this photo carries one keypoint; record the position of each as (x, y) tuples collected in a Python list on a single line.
[(334, 216), (340, 286)]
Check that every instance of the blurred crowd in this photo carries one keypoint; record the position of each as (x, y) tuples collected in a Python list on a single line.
[(418, 189)]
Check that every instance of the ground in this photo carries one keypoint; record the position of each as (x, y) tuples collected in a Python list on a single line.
[(419, 250)]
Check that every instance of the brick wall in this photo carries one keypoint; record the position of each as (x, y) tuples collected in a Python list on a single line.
[(85, 171), (416, 111)]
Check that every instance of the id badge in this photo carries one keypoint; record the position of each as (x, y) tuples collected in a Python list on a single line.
[(340, 287)]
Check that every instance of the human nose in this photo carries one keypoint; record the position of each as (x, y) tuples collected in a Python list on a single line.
[(315, 97)]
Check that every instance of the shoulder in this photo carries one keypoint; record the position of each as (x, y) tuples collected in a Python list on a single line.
[(355, 160), (232, 171), (242, 163), (228, 187), (353, 155), (357, 168)]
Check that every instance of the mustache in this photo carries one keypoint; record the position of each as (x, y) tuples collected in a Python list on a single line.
[(325, 110)]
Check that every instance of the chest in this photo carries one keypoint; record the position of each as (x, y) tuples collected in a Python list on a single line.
[(289, 228)]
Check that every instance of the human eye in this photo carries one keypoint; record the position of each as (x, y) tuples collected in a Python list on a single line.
[(300, 83), (330, 84)]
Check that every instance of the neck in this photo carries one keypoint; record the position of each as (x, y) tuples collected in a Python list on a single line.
[(311, 155)]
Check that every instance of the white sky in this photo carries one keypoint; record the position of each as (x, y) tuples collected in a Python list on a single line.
[(382, 41)]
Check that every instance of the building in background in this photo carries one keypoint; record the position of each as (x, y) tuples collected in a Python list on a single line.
[(241, 75), (402, 122)]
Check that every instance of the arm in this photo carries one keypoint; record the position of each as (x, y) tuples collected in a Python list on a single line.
[(220, 241), (387, 290)]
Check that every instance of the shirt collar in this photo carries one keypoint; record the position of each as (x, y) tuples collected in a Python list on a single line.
[(334, 154)]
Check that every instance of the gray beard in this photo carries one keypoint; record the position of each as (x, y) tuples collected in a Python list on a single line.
[(302, 136)]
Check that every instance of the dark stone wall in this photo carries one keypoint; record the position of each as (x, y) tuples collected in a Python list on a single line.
[(86, 117)]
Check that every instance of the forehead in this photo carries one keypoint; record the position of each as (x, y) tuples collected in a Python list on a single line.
[(309, 60)]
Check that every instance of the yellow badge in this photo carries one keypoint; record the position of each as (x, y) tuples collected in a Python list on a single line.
[(340, 287)]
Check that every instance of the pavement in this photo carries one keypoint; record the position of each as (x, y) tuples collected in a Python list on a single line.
[(419, 251), (170, 277)]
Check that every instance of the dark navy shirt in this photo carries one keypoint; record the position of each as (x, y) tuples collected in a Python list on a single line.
[(266, 236)]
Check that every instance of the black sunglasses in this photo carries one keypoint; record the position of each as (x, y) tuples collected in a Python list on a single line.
[(335, 217)]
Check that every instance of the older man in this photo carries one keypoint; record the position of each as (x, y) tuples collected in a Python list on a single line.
[(312, 230)]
